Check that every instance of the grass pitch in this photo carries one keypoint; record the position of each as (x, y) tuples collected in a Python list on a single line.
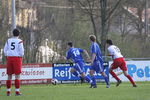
[(80, 92)]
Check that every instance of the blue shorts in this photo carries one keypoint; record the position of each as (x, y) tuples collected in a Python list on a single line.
[(79, 66), (97, 66)]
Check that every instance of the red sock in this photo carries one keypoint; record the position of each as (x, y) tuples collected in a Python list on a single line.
[(17, 92), (114, 75), (8, 92), (17, 84), (131, 80), (8, 84)]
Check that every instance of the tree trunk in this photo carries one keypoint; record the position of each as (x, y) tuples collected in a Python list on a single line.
[(103, 5)]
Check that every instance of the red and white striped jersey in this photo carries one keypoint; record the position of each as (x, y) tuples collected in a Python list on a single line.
[(114, 51), (14, 47)]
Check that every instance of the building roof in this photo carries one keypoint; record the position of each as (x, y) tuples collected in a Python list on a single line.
[(134, 11)]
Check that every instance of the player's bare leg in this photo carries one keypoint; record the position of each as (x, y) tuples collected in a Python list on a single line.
[(74, 72), (8, 85), (17, 85), (130, 78)]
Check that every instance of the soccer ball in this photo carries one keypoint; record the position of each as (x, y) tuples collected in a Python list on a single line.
[(54, 81)]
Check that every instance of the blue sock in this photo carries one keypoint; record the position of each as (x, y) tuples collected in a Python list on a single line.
[(87, 79), (75, 73), (106, 80), (93, 80)]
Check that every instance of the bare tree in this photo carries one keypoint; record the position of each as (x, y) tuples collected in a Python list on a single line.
[(101, 11)]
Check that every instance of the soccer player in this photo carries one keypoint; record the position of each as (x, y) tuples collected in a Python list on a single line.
[(118, 61), (96, 62), (14, 52), (75, 54)]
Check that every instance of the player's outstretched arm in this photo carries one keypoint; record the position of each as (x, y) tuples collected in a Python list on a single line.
[(87, 55), (21, 49), (93, 57), (6, 48)]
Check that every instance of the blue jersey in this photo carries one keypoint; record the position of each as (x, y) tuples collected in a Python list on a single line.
[(98, 61), (96, 49), (75, 54)]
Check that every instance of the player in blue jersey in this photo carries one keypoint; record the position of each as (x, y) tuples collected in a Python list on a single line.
[(96, 62), (75, 54)]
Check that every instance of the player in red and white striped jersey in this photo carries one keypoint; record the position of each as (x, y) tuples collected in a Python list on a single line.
[(14, 52), (118, 61)]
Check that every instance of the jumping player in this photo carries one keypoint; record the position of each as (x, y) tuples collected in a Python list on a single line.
[(75, 54), (14, 52), (118, 61), (96, 62)]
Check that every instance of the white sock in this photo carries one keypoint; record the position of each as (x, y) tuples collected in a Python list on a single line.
[(8, 89), (17, 90)]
